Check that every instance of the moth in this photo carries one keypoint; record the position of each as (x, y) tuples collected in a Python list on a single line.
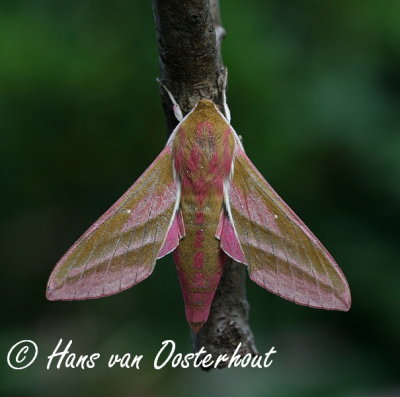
[(203, 200)]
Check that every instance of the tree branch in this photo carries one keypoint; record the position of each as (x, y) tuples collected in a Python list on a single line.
[(189, 37)]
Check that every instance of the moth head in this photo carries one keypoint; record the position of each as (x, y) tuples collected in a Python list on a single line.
[(205, 104)]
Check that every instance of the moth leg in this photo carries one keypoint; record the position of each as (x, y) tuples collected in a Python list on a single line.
[(175, 105), (224, 85)]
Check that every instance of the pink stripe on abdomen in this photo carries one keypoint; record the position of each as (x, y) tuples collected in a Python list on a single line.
[(199, 263), (198, 288)]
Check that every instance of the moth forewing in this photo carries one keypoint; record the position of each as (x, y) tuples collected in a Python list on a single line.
[(120, 248), (283, 255)]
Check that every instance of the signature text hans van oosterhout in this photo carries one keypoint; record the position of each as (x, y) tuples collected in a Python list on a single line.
[(24, 353)]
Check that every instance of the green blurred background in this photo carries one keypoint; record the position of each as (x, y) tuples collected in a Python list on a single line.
[(313, 90)]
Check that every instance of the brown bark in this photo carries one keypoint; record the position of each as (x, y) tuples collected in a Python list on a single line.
[(189, 37)]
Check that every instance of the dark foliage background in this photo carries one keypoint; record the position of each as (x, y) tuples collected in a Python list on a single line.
[(313, 90)]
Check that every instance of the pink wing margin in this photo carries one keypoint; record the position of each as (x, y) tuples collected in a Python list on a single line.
[(120, 249), (282, 254)]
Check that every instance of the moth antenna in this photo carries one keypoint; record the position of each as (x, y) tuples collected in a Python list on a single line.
[(220, 33), (175, 105), (224, 85)]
